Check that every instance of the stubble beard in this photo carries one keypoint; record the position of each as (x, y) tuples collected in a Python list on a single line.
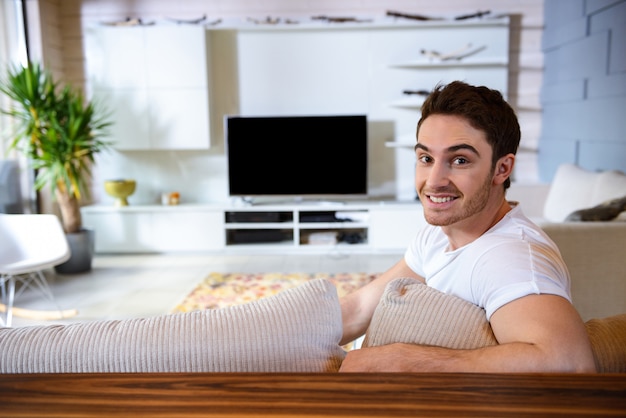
[(474, 205)]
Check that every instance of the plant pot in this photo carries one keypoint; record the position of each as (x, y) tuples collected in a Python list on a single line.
[(81, 245)]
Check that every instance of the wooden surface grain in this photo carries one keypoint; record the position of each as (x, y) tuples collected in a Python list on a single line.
[(312, 395)]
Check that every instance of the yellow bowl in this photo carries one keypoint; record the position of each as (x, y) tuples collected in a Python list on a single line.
[(120, 190)]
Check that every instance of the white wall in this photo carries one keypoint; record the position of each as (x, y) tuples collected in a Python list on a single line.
[(200, 176)]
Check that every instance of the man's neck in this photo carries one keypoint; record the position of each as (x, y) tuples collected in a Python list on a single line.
[(470, 229)]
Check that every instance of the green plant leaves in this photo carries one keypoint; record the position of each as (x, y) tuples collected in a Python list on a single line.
[(55, 128)]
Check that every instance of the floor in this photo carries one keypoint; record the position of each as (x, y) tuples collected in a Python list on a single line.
[(130, 286)]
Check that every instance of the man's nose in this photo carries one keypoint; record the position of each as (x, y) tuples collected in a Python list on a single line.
[(438, 175)]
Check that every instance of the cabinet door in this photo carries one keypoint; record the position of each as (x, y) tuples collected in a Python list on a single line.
[(179, 119), (119, 232), (188, 231), (394, 228), (115, 58), (129, 112), (176, 57), (117, 80), (177, 80), (293, 71), (154, 81)]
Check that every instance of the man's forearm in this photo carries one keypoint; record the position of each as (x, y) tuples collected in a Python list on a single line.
[(505, 358)]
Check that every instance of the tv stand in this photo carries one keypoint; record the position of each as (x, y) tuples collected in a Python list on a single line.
[(366, 226), (310, 225)]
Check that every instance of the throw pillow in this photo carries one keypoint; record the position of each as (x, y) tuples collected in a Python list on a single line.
[(610, 184), (297, 330), (603, 212), (570, 190), (411, 312), (608, 341)]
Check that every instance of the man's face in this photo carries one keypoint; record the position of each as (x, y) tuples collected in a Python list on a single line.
[(454, 174)]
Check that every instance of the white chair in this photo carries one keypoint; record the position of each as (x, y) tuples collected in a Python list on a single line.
[(29, 244)]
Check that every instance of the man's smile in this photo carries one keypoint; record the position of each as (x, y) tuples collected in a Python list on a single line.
[(442, 199)]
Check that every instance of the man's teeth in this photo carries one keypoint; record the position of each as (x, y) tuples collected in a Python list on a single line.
[(441, 199)]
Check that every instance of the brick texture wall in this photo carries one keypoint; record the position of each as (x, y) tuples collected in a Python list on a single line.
[(584, 85)]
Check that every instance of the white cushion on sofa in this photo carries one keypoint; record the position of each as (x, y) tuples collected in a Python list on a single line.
[(609, 185), (574, 188)]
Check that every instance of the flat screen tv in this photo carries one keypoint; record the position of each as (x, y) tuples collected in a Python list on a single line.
[(299, 157)]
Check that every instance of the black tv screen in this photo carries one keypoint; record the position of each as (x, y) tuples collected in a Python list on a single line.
[(298, 156)]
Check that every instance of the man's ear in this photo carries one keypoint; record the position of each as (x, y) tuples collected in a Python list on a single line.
[(504, 168)]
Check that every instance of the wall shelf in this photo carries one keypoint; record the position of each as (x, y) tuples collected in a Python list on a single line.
[(452, 63), (408, 103)]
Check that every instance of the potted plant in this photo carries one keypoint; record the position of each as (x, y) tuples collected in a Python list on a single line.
[(60, 133)]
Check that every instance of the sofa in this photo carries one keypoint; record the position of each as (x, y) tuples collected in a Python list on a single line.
[(592, 240), (297, 330)]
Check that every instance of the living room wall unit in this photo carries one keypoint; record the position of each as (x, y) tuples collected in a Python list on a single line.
[(366, 68), (308, 69), (160, 92), (200, 176)]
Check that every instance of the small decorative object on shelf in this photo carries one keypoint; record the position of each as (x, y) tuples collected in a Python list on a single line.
[(129, 22), (172, 198), (340, 19), (120, 190), (267, 21), (411, 16), (188, 21), (473, 15), (458, 54), (416, 92)]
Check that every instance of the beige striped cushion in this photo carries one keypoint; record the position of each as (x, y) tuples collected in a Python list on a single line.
[(608, 341), (411, 312), (297, 330)]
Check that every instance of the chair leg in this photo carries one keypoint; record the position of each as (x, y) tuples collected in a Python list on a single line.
[(34, 279), (8, 296), (39, 279)]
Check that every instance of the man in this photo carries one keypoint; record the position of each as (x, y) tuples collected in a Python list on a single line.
[(479, 247)]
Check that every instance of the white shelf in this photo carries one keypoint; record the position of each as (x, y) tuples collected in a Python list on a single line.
[(452, 63), (409, 102), (332, 225), (257, 232), (402, 141), (399, 144), (367, 23), (258, 225)]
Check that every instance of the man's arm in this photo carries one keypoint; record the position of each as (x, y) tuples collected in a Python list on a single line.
[(536, 333), (358, 307)]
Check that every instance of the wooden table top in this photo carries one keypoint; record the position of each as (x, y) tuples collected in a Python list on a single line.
[(321, 395)]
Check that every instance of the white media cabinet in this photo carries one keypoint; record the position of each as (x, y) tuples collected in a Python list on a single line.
[(372, 226)]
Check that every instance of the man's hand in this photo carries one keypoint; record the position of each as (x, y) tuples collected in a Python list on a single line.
[(386, 358), (408, 358), (358, 307)]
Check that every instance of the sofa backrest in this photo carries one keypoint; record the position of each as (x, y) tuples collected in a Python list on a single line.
[(574, 188)]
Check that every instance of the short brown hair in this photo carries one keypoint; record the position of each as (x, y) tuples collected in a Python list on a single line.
[(484, 108)]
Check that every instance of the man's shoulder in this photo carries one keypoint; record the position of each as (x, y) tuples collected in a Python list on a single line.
[(516, 224)]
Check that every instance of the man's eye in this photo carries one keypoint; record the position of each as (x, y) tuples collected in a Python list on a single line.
[(460, 161), (425, 159)]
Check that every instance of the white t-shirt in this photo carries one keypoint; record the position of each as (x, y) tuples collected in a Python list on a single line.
[(515, 258)]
